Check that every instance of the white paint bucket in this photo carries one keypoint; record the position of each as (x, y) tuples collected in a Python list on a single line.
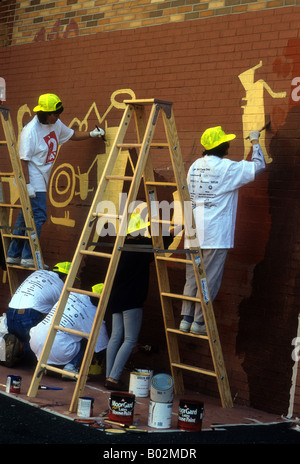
[(148, 371), (160, 415), (162, 388), (139, 384), (85, 406)]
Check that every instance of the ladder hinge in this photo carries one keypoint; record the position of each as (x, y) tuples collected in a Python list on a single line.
[(165, 106), (5, 111)]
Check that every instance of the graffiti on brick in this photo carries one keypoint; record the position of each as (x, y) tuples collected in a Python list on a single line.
[(58, 31)]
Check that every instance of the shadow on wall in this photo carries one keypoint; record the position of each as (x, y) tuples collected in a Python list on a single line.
[(269, 317)]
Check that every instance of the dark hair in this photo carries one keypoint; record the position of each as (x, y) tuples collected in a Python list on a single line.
[(43, 115), (219, 151)]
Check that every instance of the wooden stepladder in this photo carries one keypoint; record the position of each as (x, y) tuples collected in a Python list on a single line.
[(13, 181), (146, 116)]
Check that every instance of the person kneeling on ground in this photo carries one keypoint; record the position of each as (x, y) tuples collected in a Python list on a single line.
[(68, 349), (31, 302)]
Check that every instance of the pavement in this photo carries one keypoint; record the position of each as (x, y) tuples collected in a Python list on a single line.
[(47, 420)]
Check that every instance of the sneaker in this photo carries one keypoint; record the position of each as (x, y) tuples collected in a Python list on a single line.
[(10, 260), (30, 263), (185, 326), (70, 368), (27, 262), (13, 350), (198, 329)]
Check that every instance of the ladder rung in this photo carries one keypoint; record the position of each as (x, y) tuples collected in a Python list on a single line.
[(9, 205), (96, 253), (174, 260), (24, 237), (19, 266), (188, 334), (106, 215), (7, 174), (138, 145), (129, 178), (159, 145), (72, 331), (83, 292), (129, 145), (49, 367), (199, 370), (181, 297), (162, 184)]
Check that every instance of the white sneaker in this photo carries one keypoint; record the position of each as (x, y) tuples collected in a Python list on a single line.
[(185, 326), (30, 263), (198, 329), (70, 368), (27, 262), (11, 260)]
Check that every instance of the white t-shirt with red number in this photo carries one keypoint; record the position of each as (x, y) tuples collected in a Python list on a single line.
[(39, 146)]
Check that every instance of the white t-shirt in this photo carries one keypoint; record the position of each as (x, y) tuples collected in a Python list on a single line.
[(79, 314), (213, 184), (40, 291), (39, 146)]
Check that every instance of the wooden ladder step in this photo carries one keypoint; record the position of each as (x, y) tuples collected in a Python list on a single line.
[(161, 184), (21, 237), (180, 297), (52, 368), (124, 178), (174, 260), (71, 331), (199, 370), (129, 145), (98, 254), (83, 292), (10, 205), (188, 334)]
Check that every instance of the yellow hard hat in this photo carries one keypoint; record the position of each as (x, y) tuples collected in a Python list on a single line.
[(63, 268), (136, 223), (97, 288), (214, 136), (48, 102)]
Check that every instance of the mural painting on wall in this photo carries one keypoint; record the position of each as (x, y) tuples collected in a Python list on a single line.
[(254, 109), (76, 183)]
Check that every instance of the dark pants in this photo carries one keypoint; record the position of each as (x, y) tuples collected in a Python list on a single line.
[(19, 323)]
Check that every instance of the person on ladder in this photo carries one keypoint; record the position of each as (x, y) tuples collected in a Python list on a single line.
[(213, 183), (38, 148)]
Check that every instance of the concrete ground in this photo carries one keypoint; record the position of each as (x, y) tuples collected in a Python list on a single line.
[(56, 404)]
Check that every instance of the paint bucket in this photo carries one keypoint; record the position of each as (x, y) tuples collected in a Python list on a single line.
[(160, 415), (121, 407), (161, 389), (139, 384), (13, 384), (190, 414), (85, 406)]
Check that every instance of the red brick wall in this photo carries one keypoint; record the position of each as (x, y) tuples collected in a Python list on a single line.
[(196, 65)]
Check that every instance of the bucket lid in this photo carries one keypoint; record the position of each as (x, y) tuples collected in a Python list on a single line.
[(162, 381)]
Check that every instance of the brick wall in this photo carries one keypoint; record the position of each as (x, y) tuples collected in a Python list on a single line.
[(205, 67), (40, 20)]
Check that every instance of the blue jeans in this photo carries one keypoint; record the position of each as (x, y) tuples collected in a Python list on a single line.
[(19, 247), (19, 324), (126, 327)]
